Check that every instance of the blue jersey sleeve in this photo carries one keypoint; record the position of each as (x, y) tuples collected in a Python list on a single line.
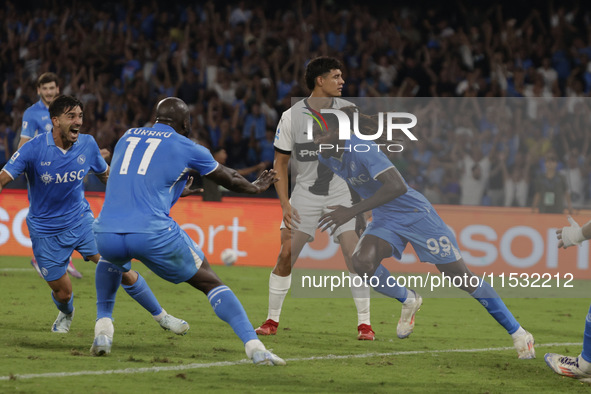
[(375, 162), (98, 165), (18, 162), (29, 125), (202, 160)]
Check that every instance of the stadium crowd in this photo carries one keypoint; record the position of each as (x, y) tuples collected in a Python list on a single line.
[(238, 64)]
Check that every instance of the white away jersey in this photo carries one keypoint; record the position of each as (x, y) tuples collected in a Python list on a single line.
[(292, 137)]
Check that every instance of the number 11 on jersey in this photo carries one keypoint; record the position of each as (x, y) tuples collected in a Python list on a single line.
[(146, 158)]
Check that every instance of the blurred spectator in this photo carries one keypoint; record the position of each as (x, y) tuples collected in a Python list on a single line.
[(516, 183), (451, 189), (573, 175), (495, 188), (255, 123), (267, 149), (475, 171), (7, 140), (551, 191), (222, 57)]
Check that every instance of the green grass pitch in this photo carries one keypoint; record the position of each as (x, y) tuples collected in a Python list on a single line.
[(456, 345)]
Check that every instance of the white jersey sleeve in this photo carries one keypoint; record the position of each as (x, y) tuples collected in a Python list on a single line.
[(284, 135)]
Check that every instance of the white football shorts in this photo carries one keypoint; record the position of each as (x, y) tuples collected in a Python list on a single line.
[(311, 207)]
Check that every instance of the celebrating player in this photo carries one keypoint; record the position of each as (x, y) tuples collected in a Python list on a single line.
[(149, 173), (574, 367), (400, 215), (60, 219), (36, 120)]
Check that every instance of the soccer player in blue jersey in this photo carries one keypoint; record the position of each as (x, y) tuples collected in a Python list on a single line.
[(400, 215), (574, 367), (60, 219), (36, 120), (149, 171)]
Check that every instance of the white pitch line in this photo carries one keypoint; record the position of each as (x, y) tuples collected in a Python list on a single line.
[(231, 363)]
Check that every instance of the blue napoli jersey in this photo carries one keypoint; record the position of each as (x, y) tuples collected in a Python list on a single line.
[(55, 181), (36, 120), (360, 170), (149, 171)]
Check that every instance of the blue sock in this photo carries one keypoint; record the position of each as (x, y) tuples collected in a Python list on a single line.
[(586, 353), (141, 292), (227, 307), (65, 308), (388, 287), (107, 279), (490, 299)]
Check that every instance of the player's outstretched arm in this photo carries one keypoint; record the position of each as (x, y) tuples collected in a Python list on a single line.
[(392, 187), (4, 179), (574, 234), (232, 180)]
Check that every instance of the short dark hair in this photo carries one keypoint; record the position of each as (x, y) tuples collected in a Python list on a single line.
[(62, 104), (320, 66), (47, 78)]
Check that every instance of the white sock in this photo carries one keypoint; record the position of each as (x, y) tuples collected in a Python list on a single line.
[(104, 325), (252, 346), (410, 297), (361, 298), (159, 316), (520, 331), (584, 365), (278, 288)]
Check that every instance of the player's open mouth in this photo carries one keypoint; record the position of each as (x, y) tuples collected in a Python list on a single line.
[(74, 133)]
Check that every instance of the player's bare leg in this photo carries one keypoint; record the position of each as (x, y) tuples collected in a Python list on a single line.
[(64, 300)]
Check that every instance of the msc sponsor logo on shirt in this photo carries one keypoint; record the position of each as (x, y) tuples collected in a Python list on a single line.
[(358, 180), (66, 177)]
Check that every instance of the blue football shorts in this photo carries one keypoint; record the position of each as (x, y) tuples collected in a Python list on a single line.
[(53, 252), (171, 253), (430, 237)]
